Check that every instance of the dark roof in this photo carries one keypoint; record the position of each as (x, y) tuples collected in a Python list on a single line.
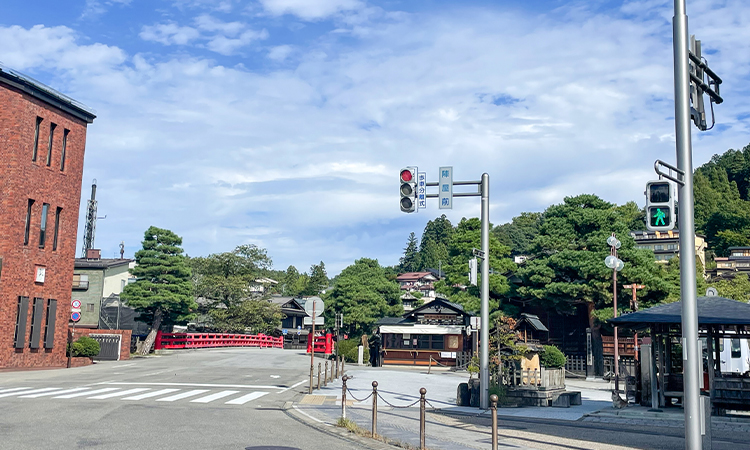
[(389, 321), (45, 93), (532, 320), (435, 272), (711, 311), (104, 263), (454, 306)]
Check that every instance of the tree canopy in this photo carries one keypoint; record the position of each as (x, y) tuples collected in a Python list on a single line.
[(363, 293)]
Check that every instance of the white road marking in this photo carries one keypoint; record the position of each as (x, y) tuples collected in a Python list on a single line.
[(31, 391), (242, 386), (125, 365), (14, 389), (246, 398), (81, 394), (66, 391), (308, 415), (275, 376), (182, 395), (212, 397), (291, 387), (119, 394), (151, 394)]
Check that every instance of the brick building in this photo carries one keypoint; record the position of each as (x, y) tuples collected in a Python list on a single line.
[(42, 141)]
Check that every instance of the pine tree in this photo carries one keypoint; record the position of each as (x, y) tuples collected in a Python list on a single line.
[(163, 291), (410, 261)]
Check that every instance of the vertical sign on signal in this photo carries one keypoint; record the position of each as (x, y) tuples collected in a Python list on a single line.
[(421, 190), (445, 187)]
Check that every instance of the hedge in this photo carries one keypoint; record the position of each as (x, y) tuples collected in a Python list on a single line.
[(552, 358)]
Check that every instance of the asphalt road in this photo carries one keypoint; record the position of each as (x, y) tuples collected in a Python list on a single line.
[(203, 399)]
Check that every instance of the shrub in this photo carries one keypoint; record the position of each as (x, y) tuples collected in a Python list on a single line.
[(348, 349), (552, 358), (84, 346)]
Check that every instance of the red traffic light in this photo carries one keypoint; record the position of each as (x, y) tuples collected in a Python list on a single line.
[(406, 175)]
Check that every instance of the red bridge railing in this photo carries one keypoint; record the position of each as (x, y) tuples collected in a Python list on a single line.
[(207, 340)]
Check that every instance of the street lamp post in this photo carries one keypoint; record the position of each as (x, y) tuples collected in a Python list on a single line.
[(616, 264)]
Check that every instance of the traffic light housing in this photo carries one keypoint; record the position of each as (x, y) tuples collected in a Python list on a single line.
[(660, 210), (408, 189)]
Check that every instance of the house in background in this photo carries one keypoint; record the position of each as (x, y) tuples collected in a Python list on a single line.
[(437, 331), (421, 282), (737, 262), (96, 279), (666, 244), (262, 286)]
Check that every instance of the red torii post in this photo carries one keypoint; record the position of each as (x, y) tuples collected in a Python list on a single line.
[(634, 307)]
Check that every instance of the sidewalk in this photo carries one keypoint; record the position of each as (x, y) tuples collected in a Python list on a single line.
[(398, 416)]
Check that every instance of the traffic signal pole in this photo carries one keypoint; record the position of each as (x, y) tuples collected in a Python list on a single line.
[(690, 351), (484, 334)]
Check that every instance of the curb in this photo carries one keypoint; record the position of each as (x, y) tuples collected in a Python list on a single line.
[(333, 430)]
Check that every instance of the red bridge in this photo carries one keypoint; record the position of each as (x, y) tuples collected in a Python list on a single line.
[(207, 340)]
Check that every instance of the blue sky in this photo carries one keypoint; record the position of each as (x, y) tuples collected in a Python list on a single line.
[(284, 123)]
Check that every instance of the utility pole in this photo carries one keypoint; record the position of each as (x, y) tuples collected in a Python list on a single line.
[(634, 308)]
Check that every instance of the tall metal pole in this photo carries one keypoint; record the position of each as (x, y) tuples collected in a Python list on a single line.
[(614, 313), (312, 351), (484, 353), (690, 351)]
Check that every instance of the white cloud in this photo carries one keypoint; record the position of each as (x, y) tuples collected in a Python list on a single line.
[(228, 46), (206, 22), (169, 33), (303, 159), (310, 9)]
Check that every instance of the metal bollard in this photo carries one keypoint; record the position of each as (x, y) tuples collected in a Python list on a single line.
[(493, 407), (309, 391), (318, 376), (343, 360), (343, 396), (337, 367), (325, 377), (374, 408), (422, 406)]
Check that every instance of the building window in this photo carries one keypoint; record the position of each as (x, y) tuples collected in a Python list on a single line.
[(49, 328), (58, 211), (36, 139), (28, 223), (80, 281), (52, 127), (89, 307), (736, 350), (658, 247), (672, 247), (21, 315), (43, 225), (64, 148), (36, 323)]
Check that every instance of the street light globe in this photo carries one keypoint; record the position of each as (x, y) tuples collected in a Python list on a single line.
[(620, 265), (611, 241), (611, 261), (618, 244)]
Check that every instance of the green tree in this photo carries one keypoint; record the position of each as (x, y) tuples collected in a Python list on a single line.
[(290, 282), (317, 281), (251, 315), (410, 261), (737, 288), (163, 291), (363, 294), (464, 239), (225, 278), (568, 259), (519, 233), (433, 248)]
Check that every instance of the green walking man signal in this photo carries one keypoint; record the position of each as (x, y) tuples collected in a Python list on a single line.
[(660, 206)]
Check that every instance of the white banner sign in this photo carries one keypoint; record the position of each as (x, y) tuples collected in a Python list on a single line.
[(318, 320), (445, 187)]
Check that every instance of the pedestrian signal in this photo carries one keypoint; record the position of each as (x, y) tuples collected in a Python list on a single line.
[(408, 179), (660, 210)]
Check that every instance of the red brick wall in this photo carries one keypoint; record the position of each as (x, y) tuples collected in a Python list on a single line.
[(20, 180), (124, 342)]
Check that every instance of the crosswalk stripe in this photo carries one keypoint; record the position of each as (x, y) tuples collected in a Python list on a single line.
[(182, 395), (151, 394), (212, 397), (66, 391), (118, 394), (14, 389), (81, 394), (246, 398), (31, 391)]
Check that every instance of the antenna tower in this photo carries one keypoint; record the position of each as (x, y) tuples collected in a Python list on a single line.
[(90, 228)]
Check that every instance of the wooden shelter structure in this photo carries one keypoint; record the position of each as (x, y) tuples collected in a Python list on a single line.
[(718, 318)]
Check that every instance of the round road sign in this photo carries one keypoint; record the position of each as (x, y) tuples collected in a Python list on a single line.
[(75, 317), (75, 304), (317, 302)]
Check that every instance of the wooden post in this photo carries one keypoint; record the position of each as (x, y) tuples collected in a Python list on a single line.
[(422, 407), (374, 408)]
